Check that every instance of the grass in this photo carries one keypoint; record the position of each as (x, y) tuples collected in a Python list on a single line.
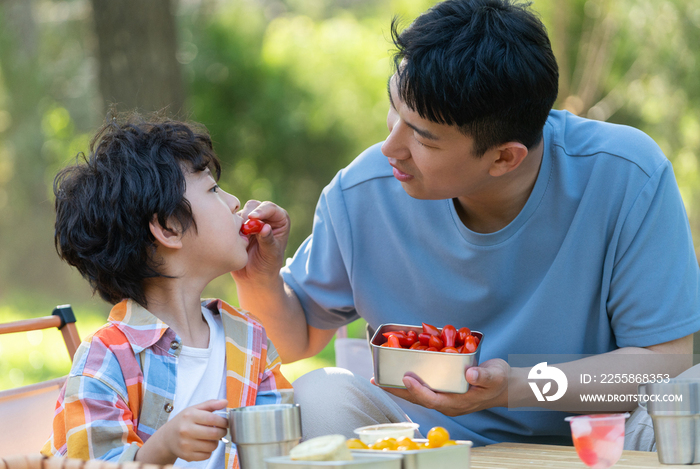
[(31, 357)]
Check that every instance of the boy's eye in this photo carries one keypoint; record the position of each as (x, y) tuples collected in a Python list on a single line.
[(215, 188)]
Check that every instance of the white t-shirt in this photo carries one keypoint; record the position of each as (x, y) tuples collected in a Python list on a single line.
[(201, 375)]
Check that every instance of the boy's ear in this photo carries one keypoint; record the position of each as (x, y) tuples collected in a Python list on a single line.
[(166, 237)]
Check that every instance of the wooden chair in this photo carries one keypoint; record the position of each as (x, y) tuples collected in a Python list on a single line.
[(26, 413), (62, 318), (37, 461)]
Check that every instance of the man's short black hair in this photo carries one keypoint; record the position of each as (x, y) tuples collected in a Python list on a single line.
[(484, 65), (105, 201)]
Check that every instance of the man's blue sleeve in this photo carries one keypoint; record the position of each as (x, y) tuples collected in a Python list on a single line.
[(655, 268)]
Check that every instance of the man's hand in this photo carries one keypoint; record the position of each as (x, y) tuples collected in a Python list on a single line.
[(489, 382), (488, 387), (262, 291), (266, 249), (192, 435)]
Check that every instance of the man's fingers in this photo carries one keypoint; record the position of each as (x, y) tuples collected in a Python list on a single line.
[(422, 394), (265, 235), (478, 376), (269, 212), (398, 392), (248, 207)]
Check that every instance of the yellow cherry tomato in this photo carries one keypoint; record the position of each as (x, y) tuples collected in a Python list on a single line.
[(425, 445), (388, 444), (437, 436), (449, 443), (354, 443), (406, 444)]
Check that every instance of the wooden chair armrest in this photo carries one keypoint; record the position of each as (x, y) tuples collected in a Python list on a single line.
[(34, 324), (68, 329), (39, 461)]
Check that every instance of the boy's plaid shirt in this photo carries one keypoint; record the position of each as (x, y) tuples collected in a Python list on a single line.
[(121, 387)]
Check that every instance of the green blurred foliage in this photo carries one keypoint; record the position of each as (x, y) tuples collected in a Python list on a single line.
[(296, 97), (32, 357), (292, 91)]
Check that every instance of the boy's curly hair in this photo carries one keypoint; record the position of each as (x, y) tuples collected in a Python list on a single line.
[(105, 201)]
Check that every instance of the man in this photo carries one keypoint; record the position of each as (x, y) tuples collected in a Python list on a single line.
[(549, 233)]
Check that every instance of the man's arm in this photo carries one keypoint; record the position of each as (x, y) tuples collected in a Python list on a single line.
[(278, 307), (262, 291), (605, 372), (490, 385)]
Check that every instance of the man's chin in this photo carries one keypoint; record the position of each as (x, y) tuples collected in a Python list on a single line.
[(418, 193)]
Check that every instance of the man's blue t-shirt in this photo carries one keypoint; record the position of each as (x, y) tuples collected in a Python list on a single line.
[(600, 257)]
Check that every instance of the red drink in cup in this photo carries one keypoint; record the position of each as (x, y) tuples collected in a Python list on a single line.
[(599, 438)]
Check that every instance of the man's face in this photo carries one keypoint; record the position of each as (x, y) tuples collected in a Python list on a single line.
[(432, 161)]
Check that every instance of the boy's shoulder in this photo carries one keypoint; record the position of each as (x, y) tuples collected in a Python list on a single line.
[(106, 355), (108, 339), (240, 326), (225, 309), (130, 329)]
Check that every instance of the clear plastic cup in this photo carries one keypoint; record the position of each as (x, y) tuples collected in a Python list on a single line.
[(598, 438)]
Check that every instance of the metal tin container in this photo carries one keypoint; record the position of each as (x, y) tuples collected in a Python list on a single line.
[(676, 422), (374, 461), (446, 457), (262, 431), (439, 371)]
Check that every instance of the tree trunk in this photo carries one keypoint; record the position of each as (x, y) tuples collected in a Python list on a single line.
[(137, 45)]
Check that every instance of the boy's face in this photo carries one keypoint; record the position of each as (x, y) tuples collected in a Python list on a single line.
[(217, 242)]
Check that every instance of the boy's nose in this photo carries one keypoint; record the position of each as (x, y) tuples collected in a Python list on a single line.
[(233, 203)]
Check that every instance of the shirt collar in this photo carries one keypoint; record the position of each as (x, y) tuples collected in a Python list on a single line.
[(141, 328)]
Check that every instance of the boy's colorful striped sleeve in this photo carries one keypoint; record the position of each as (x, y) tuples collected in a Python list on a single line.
[(92, 422), (96, 414), (274, 387)]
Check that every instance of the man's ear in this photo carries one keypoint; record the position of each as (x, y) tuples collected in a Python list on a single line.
[(166, 237), (508, 157)]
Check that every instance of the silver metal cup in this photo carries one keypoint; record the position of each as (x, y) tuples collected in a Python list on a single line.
[(264, 431), (676, 422)]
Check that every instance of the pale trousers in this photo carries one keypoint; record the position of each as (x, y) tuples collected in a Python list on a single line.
[(333, 400)]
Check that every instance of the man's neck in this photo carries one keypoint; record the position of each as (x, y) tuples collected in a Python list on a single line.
[(494, 210)]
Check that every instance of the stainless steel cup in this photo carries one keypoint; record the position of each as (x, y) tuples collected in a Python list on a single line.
[(264, 431), (676, 422)]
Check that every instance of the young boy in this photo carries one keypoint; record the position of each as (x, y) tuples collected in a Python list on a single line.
[(144, 221)]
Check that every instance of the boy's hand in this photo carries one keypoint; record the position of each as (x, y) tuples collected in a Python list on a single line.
[(266, 249), (192, 435)]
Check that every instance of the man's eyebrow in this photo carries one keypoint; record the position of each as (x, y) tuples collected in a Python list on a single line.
[(423, 133)]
